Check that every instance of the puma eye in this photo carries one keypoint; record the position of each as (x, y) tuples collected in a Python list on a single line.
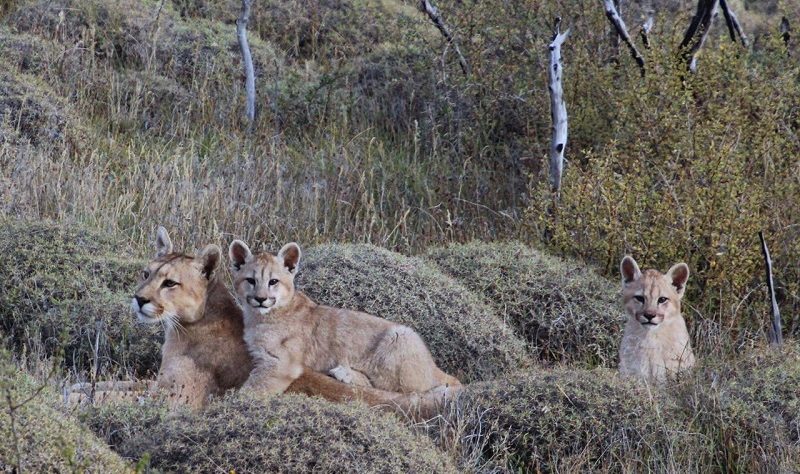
[(145, 275), (252, 281), (169, 283), (639, 298), (662, 300), (273, 282)]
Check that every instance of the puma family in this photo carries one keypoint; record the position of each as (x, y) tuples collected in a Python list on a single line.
[(655, 342), (285, 331)]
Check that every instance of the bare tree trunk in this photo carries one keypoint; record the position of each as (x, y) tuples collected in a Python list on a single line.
[(622, 31), (776, 332), (734, 28), (644, 33), (558, 109), (436, 18), (700, 26), (247, 59)]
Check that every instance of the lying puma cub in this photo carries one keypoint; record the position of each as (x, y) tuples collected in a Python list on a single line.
[(655, 342), (285, 331)]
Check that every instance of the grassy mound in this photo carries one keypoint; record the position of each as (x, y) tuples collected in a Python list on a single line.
[(563, 309), (465, 336), (286, 434), (61, 285), (36, 437), (748, 410), (564, 421)]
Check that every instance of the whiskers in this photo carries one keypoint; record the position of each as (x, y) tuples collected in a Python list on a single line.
[(172, 322)]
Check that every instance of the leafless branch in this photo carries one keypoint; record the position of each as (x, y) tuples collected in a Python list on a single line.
[(558, 109), (734, 28), (436, 17), (247, 59), (622, 31), (776, 332)]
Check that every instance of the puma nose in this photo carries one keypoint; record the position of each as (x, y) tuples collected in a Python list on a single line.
[(649, 316), (259, 300), (141, 301)]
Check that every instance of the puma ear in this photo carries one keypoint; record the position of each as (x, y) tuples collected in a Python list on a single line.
[(239, 253), (209, 259), (629, 270), (290, 256), (679, 275), (163, 242)]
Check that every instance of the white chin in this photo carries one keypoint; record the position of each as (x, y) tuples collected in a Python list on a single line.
[(143, 318), (263, 311)]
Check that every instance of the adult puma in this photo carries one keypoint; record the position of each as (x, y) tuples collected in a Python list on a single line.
[(655, 342), (285, 331)]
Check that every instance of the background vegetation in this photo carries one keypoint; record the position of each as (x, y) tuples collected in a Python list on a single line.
[(116, 116)]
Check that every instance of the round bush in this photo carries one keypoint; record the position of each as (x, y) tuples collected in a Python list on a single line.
[(748, 410), (62, 285), (565, 421), (466, 337), (287, 433), (37, 437), (564, 310)]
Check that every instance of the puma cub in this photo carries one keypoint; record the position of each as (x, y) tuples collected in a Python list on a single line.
[(655, 342), (285, 330)]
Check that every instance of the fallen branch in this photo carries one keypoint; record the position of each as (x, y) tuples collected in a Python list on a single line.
[(436, 17), (776, 332), (622, 31), (734, 28), (558, 109), (247, 59)]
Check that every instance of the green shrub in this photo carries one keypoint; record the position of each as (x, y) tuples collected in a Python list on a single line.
[(748, 410), (287, 433), (467, 339), (562, 309), (60, 285), (567, 421), (35, 436)]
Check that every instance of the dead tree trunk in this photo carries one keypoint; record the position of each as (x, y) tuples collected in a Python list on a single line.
[(622, 31), (558, 109), (699, 28), (247, 59), (734, 28), (644, 33), (436, 17), (776, 331)]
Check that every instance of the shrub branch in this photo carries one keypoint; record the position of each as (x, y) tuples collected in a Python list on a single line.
[(622, 31), (436, 17)]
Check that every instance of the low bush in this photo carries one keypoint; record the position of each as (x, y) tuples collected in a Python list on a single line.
[(63, 288), (287, 433), (563, 309), (465, 336), (35, 436), (567, 421)]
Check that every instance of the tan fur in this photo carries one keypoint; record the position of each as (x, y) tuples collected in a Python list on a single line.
[(286, 331), (655, 343), (204, 353)]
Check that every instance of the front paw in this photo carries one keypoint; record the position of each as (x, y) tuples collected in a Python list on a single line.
[(342, 374)]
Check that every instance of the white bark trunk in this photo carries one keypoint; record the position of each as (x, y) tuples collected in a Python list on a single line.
[(247, 59), (558, 110), (436, 18), (622, 31)]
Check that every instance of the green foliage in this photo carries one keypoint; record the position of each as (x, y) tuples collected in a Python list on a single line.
[(466, 337), (569, 421), (694, 166), (63, 288), (747, 410), (287, 433), (36, 437), (565, 311)]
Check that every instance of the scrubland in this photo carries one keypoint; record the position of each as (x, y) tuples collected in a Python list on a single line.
[(418, 194)]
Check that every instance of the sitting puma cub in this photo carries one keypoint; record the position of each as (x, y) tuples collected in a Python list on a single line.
[(655, 342), (285, 330)]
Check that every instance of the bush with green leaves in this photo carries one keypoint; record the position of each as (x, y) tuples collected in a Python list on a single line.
[(562, 308), (65, 291)]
